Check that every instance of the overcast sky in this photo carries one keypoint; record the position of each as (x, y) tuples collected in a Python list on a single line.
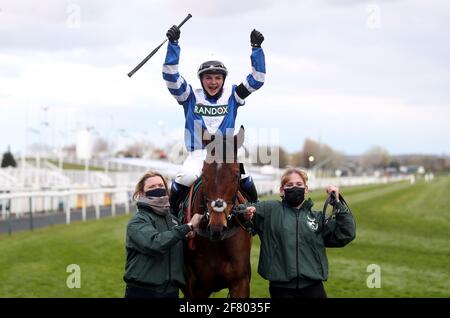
[(348, 73)]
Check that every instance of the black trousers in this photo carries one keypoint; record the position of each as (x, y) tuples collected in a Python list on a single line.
[(315, 290), (138, 292)]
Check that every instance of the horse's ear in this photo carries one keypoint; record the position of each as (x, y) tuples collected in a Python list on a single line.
[(239, 138)]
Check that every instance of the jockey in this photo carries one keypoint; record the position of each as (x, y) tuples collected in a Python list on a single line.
[(212, 107)]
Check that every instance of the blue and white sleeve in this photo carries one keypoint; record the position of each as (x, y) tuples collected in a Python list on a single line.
[(176, 84), (255, 79)]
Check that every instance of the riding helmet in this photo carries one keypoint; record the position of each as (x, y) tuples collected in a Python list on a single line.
[(212, 67)]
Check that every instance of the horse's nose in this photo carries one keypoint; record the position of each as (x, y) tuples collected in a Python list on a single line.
[(216, 228), (216, 231), (219, 203)]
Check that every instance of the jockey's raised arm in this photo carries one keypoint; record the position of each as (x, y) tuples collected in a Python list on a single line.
[(176, 84), (256, 78)]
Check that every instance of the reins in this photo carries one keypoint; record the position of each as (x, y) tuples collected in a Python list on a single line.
[(237, 199), (331, 200)]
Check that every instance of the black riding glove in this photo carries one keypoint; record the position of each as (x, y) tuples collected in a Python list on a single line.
[(241, 208), (256, 38), (173, 34)]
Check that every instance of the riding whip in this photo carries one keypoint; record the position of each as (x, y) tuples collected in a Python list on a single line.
[(156, 49)]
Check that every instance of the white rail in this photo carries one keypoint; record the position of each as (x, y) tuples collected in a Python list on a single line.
[(20, 202)]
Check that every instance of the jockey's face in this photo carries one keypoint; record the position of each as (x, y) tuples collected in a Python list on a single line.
[(153, 183), (212, 83)]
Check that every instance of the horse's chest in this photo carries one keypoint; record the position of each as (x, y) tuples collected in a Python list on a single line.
[(219, 261)]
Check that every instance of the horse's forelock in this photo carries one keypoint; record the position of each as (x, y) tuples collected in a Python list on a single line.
[(221, 178)]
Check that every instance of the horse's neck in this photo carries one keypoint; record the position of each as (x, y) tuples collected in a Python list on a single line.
[(198, 201), (240, 197)]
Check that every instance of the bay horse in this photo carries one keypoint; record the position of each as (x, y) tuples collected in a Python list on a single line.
[(219, 254)]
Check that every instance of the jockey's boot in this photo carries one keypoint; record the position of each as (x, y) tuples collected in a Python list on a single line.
[(177, 194), (248, 186)]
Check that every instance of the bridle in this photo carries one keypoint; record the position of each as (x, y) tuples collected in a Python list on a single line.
[(231, 202)]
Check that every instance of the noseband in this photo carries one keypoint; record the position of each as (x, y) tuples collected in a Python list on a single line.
[(232, 229), (231, 202)]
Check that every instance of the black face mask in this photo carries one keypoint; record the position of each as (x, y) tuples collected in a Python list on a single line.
[(294, 196), (159, 192)]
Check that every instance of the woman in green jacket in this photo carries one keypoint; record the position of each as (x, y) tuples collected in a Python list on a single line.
[(154, 249), (293, 238)]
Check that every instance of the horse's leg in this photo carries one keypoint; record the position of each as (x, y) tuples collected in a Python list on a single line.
[(195, 288), (199, 291), (240, 288), (195, 291), (239, 248), (202, 278)]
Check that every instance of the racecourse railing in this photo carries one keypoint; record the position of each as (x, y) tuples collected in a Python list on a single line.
[(18, 204), (66, 201)]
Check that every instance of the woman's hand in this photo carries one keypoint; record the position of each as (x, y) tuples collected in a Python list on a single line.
[(250, 211), (332, 188), (194, 222)]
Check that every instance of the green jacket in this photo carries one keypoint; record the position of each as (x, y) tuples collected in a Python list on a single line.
[(154, 250), (293, 241)]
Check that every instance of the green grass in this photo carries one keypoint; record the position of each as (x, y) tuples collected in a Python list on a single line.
[(403, 228)]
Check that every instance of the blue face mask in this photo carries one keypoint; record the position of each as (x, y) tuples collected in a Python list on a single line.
[(159, 192)]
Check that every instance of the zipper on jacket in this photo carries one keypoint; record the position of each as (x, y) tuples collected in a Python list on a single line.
[(170, 255)]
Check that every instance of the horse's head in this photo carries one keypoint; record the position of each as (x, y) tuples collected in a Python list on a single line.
[(221, 175)]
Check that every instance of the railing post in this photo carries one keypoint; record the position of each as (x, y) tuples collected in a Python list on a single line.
[(9, 222), (4, 209), (113, 204), (4, 216), (31, 213), (83, 208), (68, 209), (44, 204), (127, 203), (97, 210), (51, 210)]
